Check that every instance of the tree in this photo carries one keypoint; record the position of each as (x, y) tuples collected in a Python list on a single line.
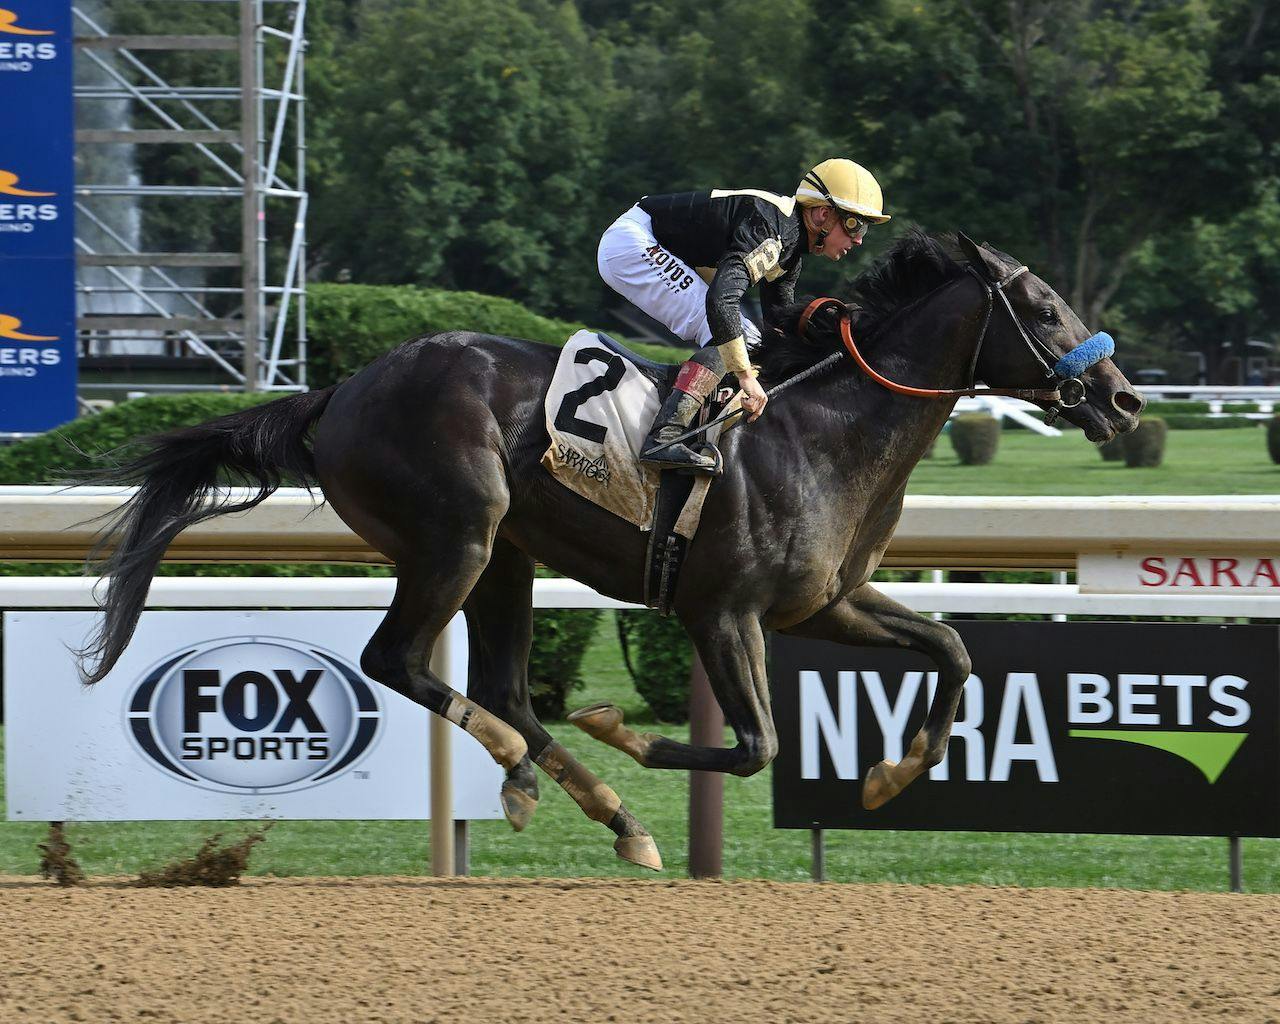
[(1099, 123), (468, 139), (1212, 288)]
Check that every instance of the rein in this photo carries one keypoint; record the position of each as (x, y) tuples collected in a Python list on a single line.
[(846, 335)]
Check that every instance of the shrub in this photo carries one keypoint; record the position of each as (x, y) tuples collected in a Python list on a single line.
[(1176, 407), (659, 656), (1113, 450), (1208, 422), (1273, 438), (350, 325), (975, 437), (1144, 447), (560, 638), (57, 455)]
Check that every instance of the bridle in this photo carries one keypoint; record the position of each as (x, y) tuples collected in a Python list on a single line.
[(1064, 371)]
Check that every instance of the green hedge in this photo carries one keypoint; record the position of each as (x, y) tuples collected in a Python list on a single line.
[(1209, 422), (1175, 408), (53, 457), (560, 638), (975, 437), (350, 325), (659, 656), (1144, 446)]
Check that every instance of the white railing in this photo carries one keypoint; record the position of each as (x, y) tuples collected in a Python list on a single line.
[(1221, 398), (1264, 394), (51, 524), (364, 592), (1023, 413)]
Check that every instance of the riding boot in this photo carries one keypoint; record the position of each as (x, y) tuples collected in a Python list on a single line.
[(698, 377)]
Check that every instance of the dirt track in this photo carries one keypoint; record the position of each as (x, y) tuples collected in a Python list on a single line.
[(418, 950)]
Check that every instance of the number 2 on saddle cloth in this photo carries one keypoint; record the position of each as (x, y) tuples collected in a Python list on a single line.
[(598, 410)]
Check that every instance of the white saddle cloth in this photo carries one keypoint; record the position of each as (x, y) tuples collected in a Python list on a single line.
[(599, 409)]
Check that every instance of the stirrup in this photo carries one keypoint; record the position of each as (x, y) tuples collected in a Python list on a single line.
[(710, 451), (678, 456)]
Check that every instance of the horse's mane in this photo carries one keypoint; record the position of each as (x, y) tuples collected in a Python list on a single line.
[(916, 265)]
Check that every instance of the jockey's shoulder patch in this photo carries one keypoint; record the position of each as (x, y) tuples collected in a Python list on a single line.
[(762, 261)]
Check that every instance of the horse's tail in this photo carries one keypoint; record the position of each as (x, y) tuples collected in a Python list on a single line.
[(258, 447)]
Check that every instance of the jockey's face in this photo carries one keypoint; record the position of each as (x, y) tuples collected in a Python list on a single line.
[(838, 241)]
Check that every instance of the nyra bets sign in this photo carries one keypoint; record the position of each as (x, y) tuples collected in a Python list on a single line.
[(1161, 728), (222, 714)]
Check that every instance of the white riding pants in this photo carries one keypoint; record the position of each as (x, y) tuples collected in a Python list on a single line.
[(638, 268)]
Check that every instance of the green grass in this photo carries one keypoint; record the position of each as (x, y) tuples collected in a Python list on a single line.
[(1195, 462), (562, 842)]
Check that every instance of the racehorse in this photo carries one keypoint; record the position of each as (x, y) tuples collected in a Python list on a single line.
[(432, 455)]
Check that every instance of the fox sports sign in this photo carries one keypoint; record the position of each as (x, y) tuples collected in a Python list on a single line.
[(253, 715)]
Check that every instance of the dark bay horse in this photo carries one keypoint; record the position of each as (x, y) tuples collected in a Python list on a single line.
[(431, 454)]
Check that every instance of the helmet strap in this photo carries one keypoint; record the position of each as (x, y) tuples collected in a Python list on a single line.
[(820, 239)]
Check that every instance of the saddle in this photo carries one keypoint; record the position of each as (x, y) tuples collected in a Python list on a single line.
[(599, 407)]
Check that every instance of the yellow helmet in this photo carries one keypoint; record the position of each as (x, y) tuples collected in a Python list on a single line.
[(846, 186)]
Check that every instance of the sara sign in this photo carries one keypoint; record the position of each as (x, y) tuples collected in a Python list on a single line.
[(1165, 728), (1180, 572), (221, 715), (37, 246)]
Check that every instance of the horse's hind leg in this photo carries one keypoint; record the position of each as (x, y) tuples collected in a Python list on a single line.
[(732, 650), (499, 614)]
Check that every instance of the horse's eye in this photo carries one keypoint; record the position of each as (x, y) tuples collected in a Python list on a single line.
[(1048, 315)]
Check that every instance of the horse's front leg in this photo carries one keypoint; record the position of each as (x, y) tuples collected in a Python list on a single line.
[(866, 618), (731, 646)]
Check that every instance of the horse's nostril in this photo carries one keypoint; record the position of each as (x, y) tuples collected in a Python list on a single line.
[(1128, 402)]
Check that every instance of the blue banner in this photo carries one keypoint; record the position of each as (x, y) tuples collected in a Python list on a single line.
[(37, 234)]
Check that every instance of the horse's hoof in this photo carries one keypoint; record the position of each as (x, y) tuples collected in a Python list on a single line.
[(517, 805), (879, 788), (597, 720), (603, 722), (641, 850)]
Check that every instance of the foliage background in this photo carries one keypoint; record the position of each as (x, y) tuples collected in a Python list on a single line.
[(1126, 149)]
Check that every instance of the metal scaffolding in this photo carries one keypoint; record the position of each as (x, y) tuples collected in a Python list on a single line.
[(251, 336)]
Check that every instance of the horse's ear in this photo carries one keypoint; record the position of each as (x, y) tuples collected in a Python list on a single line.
[(981, 260)]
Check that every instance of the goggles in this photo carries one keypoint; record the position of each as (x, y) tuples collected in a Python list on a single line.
[(855, 226)]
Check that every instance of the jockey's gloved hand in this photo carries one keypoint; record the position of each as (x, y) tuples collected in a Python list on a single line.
[(753, 397)]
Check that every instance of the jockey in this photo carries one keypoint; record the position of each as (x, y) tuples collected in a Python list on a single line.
[(687, 259)]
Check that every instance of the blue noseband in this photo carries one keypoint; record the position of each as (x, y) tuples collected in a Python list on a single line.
[(1084, 355)]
